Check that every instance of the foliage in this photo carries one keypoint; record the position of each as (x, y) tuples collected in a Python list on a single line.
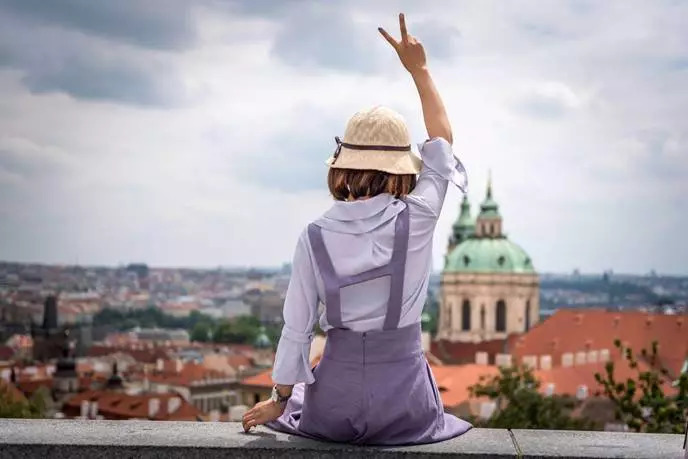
[(13, 408), (202, 331), (201, 327), (519, 404), (431, 306), (641, 403)]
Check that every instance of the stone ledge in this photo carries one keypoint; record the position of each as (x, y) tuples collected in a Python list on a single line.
[(57, 439)]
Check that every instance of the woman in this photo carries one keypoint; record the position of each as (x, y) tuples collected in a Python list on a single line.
[(368, 260)]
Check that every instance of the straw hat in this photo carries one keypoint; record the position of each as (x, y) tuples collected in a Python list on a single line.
[(376, 139)]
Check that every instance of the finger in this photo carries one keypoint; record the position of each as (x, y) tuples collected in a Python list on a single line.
[(402, 27), (388, 37)]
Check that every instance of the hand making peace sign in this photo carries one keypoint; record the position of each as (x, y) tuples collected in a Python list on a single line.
[(409, 49)]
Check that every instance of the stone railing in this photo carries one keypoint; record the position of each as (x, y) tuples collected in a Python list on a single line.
[(57, 439)]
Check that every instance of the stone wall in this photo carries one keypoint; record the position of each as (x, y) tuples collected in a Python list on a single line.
[(57, 439)]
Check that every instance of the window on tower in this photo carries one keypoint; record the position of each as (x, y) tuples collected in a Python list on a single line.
[(500, 318), (466, 315)]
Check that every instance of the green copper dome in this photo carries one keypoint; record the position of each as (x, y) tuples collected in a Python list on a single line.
[(262, 340), (488, 255)]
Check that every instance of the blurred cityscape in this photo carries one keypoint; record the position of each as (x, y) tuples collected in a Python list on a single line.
[(141, 342)]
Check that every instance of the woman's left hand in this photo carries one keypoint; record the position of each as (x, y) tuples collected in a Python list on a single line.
[(261, 413)]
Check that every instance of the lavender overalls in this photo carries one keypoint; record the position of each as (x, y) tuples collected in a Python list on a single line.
[(373, 387)]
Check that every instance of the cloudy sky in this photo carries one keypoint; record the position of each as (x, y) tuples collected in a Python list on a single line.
[(193, 133)]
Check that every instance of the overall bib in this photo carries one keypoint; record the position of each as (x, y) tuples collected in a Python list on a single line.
[(372, 387)]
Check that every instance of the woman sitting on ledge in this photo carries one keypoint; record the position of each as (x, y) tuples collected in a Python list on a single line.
[(368, 260)]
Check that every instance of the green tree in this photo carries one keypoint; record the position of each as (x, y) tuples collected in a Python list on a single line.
[(519, 404), (641, 402), (13, 407), (202, 332), (239, 330)]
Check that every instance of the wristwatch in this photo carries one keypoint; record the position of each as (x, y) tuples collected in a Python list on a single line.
[(277, 397)]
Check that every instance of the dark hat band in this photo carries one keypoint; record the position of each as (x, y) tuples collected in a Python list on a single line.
[(352, 146)]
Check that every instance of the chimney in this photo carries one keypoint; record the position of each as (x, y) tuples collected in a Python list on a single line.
[(546, 362), (567, 359), (173, 404), (604, 355), (236, 412), (84, 409), (582, 392), (530, 361), (159, 365), (581, 358), (153, 407), (486, 409), (94, 410), (425, 340), (178, 365), (481, 358), (549, 389), (578, 318), (503, 360)]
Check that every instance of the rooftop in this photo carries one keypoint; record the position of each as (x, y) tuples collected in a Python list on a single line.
[(145, 439)]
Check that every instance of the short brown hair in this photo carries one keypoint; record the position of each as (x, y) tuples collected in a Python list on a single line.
[(368, 183)]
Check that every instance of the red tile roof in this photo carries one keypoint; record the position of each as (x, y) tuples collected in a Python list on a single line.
[(11, 391), (190, 372), (150, 355), (236, 361), (6, 352), (117, 405), (453, 381), (29, 386), (571, 331), (262, 379)]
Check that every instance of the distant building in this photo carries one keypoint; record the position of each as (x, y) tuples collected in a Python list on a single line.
[(49, 339), (489, 287)]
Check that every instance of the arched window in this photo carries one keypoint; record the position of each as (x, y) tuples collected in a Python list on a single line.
[(527, 315), (449, 316), (500, 318), (466, 315), (491, 229), (482, 317)]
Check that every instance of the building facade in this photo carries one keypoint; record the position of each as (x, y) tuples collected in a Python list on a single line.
[(489, 287)]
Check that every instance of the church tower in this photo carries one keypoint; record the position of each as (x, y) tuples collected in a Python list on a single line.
[(489, 287), (463, 227)]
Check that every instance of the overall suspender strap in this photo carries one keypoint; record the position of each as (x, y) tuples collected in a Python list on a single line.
[(333, 303), (395, 269)]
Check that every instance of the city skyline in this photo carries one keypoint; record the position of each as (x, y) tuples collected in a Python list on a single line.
[(196, 135)]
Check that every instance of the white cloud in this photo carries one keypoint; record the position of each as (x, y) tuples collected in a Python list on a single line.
[(583, 125)]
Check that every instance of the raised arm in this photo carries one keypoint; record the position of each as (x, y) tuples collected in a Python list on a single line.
[(412, 56)]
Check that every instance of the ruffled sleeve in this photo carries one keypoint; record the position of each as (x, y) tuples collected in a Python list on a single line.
[(438, 158), (440, 167), (292, 364)]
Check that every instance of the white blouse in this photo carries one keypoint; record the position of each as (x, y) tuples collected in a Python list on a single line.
[(359, 235)]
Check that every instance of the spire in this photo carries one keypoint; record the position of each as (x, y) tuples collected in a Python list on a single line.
[(115, 381), (489, 221), (464, 226), (489, 184)]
